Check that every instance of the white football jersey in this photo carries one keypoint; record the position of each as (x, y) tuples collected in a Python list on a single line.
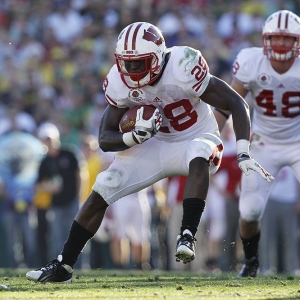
[(176, 95), (276, 97)]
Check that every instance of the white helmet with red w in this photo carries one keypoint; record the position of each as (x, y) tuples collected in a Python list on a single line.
[(141, 42), (285, 23)]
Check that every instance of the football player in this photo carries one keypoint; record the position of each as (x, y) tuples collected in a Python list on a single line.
[(181, 138), (271, 75)]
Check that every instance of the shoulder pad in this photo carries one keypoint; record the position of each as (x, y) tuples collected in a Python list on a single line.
[(190, 68), (184, 60), (114, 87), (245, 62)]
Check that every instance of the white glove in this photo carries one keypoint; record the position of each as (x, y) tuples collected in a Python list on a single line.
[(144, 129), (247, 163)]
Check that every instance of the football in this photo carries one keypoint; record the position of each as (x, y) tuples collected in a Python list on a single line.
[(127, 121)]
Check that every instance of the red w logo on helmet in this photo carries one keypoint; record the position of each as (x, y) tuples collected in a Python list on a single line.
[(152, 35)]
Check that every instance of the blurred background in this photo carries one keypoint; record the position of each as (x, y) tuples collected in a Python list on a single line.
[(54, 56)]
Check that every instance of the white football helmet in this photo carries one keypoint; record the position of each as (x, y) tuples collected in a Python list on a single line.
[(144, 43), (286, 23)]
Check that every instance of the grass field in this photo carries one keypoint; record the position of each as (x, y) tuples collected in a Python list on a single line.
[(101, 284)]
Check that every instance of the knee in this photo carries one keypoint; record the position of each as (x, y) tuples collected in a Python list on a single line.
[(199, 163), (252, 206), (199, 170), (248, 223), (250, 217), (251, 214), (109, 181), (95, 202)]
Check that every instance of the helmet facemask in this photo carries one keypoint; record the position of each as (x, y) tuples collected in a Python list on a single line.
[(280, 53), (139, 71)]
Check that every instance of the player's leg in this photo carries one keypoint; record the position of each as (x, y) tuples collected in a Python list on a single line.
[(193, 206), (131, 171), (203, 158), (253, 200), (82, 230), (252, 204)]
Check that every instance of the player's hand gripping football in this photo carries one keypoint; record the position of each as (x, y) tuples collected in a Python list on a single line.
[(145, 129), (247, 163)]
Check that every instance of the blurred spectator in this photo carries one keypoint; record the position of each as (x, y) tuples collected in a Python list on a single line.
[(3, 249), (28, 48), (37, 19), (91, 152), (195, 18), (234, 21), (279, 252), (96, 254), (16, 119), (235, 27), (59, 68), (77, 112), (258, 10), (66, 23), (96, 113), (46, 96), (169, 23), (18, 25), (18, 171), (59, 174)]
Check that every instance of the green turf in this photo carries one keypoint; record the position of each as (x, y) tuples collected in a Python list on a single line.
[(101, 284)]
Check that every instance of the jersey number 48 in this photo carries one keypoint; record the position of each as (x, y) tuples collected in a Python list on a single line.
[(290, 101)]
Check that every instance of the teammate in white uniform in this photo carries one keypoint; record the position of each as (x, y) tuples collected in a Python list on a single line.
[(271, 75), (186, 138)]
